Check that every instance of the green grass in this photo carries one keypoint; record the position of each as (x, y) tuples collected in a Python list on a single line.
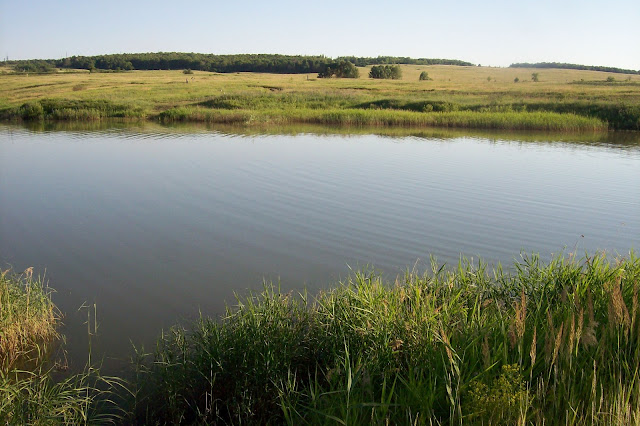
[(38, 396), (257, 99), (549, 343), (508, 120), (28, 318), (33, 390), (541, 343), (65, 110)]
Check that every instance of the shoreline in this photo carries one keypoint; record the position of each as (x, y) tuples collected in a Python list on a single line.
[(509, 121)]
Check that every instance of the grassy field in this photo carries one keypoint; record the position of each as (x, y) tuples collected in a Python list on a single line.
[(468, 97), (555, 343)]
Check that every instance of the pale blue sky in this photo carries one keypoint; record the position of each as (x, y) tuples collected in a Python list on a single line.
[(490, 32)]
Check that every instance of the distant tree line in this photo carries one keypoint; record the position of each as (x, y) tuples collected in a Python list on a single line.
[(391, 60), (561, 65), (281, 64)]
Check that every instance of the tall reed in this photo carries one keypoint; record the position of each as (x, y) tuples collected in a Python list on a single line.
[(33, 389), (28, 318), (542, 343)]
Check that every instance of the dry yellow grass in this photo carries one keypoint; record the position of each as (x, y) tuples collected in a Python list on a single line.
[(161, 89)]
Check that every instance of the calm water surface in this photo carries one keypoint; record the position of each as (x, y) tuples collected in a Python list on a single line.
[(154, 226)]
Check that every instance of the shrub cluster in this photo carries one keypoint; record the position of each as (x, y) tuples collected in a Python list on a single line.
[(342, 69), (386, 71), (37, 67)]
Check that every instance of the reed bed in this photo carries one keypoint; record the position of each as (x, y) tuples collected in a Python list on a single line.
[(72, 110), (41, 396), (554, 343), (34, 390), (28, 318), (513, 120)]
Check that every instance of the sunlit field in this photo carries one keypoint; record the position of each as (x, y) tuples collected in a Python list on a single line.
[(568, 99)]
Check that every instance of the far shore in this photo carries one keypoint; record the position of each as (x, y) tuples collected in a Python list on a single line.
[(455, 97)]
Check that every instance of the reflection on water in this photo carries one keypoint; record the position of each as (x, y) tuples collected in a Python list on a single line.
[(137, 128), (156, 223)]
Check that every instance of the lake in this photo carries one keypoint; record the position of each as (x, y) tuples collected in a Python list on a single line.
[(155, 224)]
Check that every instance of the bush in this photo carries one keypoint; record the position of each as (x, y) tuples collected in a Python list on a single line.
[(34, 67), (424, 76), (534, 77), (392, 72), (31, 111), (187, 71)]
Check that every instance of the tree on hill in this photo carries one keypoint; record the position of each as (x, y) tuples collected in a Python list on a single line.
[(342, 69), (34, 67), (386, 71)]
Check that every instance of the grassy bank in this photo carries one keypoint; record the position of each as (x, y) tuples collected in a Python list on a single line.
[(543, 121), (468, 97), (552, 343)]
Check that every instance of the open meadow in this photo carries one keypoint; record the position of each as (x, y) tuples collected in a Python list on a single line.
[(455, 96)]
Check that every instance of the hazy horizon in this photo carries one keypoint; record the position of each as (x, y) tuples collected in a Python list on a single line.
[(491, 34)]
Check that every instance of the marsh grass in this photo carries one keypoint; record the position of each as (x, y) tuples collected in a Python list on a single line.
[(507, 120), (40, 396), (65, 110), (547, 343), (33, 389), (28, 318)]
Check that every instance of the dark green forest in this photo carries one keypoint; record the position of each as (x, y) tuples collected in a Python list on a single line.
[(393, 60), (561, 65), (271, 63), (280, 64)]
